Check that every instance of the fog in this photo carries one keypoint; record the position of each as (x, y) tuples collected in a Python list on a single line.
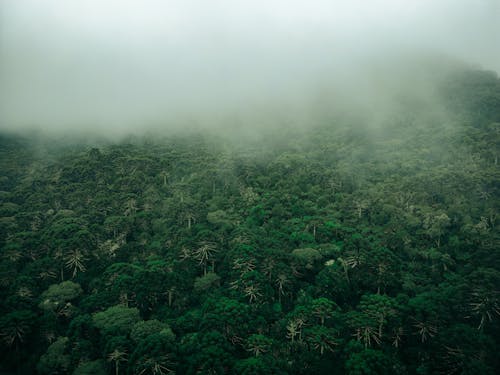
[(119, 66)]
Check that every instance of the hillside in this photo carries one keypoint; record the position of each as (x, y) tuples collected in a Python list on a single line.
[(343, 247)]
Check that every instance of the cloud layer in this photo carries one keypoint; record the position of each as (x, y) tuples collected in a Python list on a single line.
[(121, 65)]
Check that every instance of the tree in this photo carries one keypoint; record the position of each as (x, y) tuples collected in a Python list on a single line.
[(321, 338), (205, 352), (57, 296), (485, 305), (204, 253), (117, 318), (252, 292), (307, 257), (164, 175), (205, 282), (258, 344), (436, 224), (262, 365), (55, 360), (294, 329), (281, 281), (130, 207), (96, 367), (117, 356), (142, 329), (74, 261), (15, 326), (368, 361), (425, 330), (378, 307), (157, 365), (323, 308)]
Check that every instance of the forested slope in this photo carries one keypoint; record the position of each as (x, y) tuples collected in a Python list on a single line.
[(343, 248)]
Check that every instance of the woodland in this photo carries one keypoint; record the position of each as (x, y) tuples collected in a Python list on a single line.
[(343, 247)]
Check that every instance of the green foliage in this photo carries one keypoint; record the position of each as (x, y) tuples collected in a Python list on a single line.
[(16, 326), (117, 318), (96, 367), (367, 362), (55, 360), (205, 282), (59, 294), (257, 366), (141, 330)]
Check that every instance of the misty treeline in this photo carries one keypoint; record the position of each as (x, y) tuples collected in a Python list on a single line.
[(360, 245)]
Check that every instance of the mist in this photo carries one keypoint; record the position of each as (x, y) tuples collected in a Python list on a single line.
[(123, 66)]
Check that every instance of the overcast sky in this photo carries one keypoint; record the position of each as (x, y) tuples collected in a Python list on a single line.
[(125, 64)]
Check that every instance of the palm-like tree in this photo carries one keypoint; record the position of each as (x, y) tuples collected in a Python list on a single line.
[(381, 270), (242, 238), (367, 335), (353, 259), (397, 336), (334, 185), (59, 255), (185, 254), (13, 334), (117, 356), (425, 330), (158, 365), (48, 274), (280, 282), (124, 298), (360, 206), (131, 207), (252, 292), (314, 223), (294, 328), (74, 260), (244, 265), (12, 255), (189, 216), (321, 339), (24, 292), (170, 294), (258, 344), (66, 311), (454, 359), (204, 253), (268, 267), (164, 175), (345, 267), (485, 306)]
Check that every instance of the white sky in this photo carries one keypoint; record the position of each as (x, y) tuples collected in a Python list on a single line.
[(120, 63)]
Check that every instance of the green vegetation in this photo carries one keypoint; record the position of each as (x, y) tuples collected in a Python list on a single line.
[(341, 249)]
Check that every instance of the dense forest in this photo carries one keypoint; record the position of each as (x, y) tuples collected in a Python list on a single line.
[(343, 247)]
